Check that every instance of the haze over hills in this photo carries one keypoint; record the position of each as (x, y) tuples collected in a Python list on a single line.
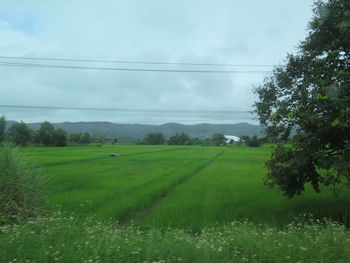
[(128, 132)]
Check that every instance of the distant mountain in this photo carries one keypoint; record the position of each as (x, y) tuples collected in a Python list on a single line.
[(128, 132)]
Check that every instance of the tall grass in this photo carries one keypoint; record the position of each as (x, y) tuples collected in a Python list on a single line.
[(22, 186), (66, 239)]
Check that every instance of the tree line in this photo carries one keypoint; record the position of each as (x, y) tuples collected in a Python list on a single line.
[(217, 139), (47, 135)]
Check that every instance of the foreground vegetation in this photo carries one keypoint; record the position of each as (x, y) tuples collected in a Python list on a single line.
[(65, 239), (23, 187)]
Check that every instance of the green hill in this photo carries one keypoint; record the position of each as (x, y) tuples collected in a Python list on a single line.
[(127, 132)]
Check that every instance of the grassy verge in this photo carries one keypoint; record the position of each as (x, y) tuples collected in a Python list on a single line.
[(22, 187), (66, 239)]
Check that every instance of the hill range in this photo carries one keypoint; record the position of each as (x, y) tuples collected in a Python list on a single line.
[(138, 131), (129, 132)]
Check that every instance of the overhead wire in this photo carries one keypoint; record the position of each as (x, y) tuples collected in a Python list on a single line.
[(35, 65), (123, 109), (41, 65), (211, 119), (135, 62)]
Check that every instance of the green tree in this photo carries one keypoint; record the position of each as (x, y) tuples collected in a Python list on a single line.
[(253, 141), (154, 139), (36, 137), (19, 133), (60, 138), (2, 128), (74, 137), (195, 141), (179, 139), (218, 139), (46, 134), (311, 94), (85, 138)]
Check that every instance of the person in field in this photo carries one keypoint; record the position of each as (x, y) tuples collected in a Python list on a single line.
[(116, 155)]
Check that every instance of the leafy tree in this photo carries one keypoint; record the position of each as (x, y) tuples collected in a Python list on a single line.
[(252, 142), (85, 138), (36, 137), (2, 128), (74, 137), (311, 94), (218, 139), (195, 141), (49, 136), (60, 138), (154, 138), (101, 139), (179, 139), (19, 133), (80, 137), (46, 134)]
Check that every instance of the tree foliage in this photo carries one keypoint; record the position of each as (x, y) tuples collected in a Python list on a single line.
[(179, 139), (154, 138), (310, 95), (253, 141), (79, 137), (218, 139), (46, 133), (2, 128), (20, 134), (49, 136), (60, 138)]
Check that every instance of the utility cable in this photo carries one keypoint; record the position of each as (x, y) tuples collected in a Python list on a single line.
[(122, 109), (136, 62), (34, 65)]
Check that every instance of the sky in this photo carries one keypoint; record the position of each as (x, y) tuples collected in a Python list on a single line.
[(236, 32)]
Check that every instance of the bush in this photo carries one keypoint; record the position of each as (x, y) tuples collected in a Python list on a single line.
[(22, 187), (252, 142)]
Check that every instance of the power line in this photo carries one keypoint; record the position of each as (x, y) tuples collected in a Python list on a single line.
[(32, 65), (121, 109), (137, 62)]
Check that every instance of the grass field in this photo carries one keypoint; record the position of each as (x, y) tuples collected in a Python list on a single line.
[(184, 187), (174, 204)]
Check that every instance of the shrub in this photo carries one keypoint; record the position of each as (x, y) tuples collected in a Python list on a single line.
[(252, 142), (22, 186)]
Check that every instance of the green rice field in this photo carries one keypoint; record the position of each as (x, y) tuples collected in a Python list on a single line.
[(188, 187)]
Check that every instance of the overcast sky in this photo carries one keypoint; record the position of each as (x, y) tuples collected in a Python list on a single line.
[(203, 31)]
